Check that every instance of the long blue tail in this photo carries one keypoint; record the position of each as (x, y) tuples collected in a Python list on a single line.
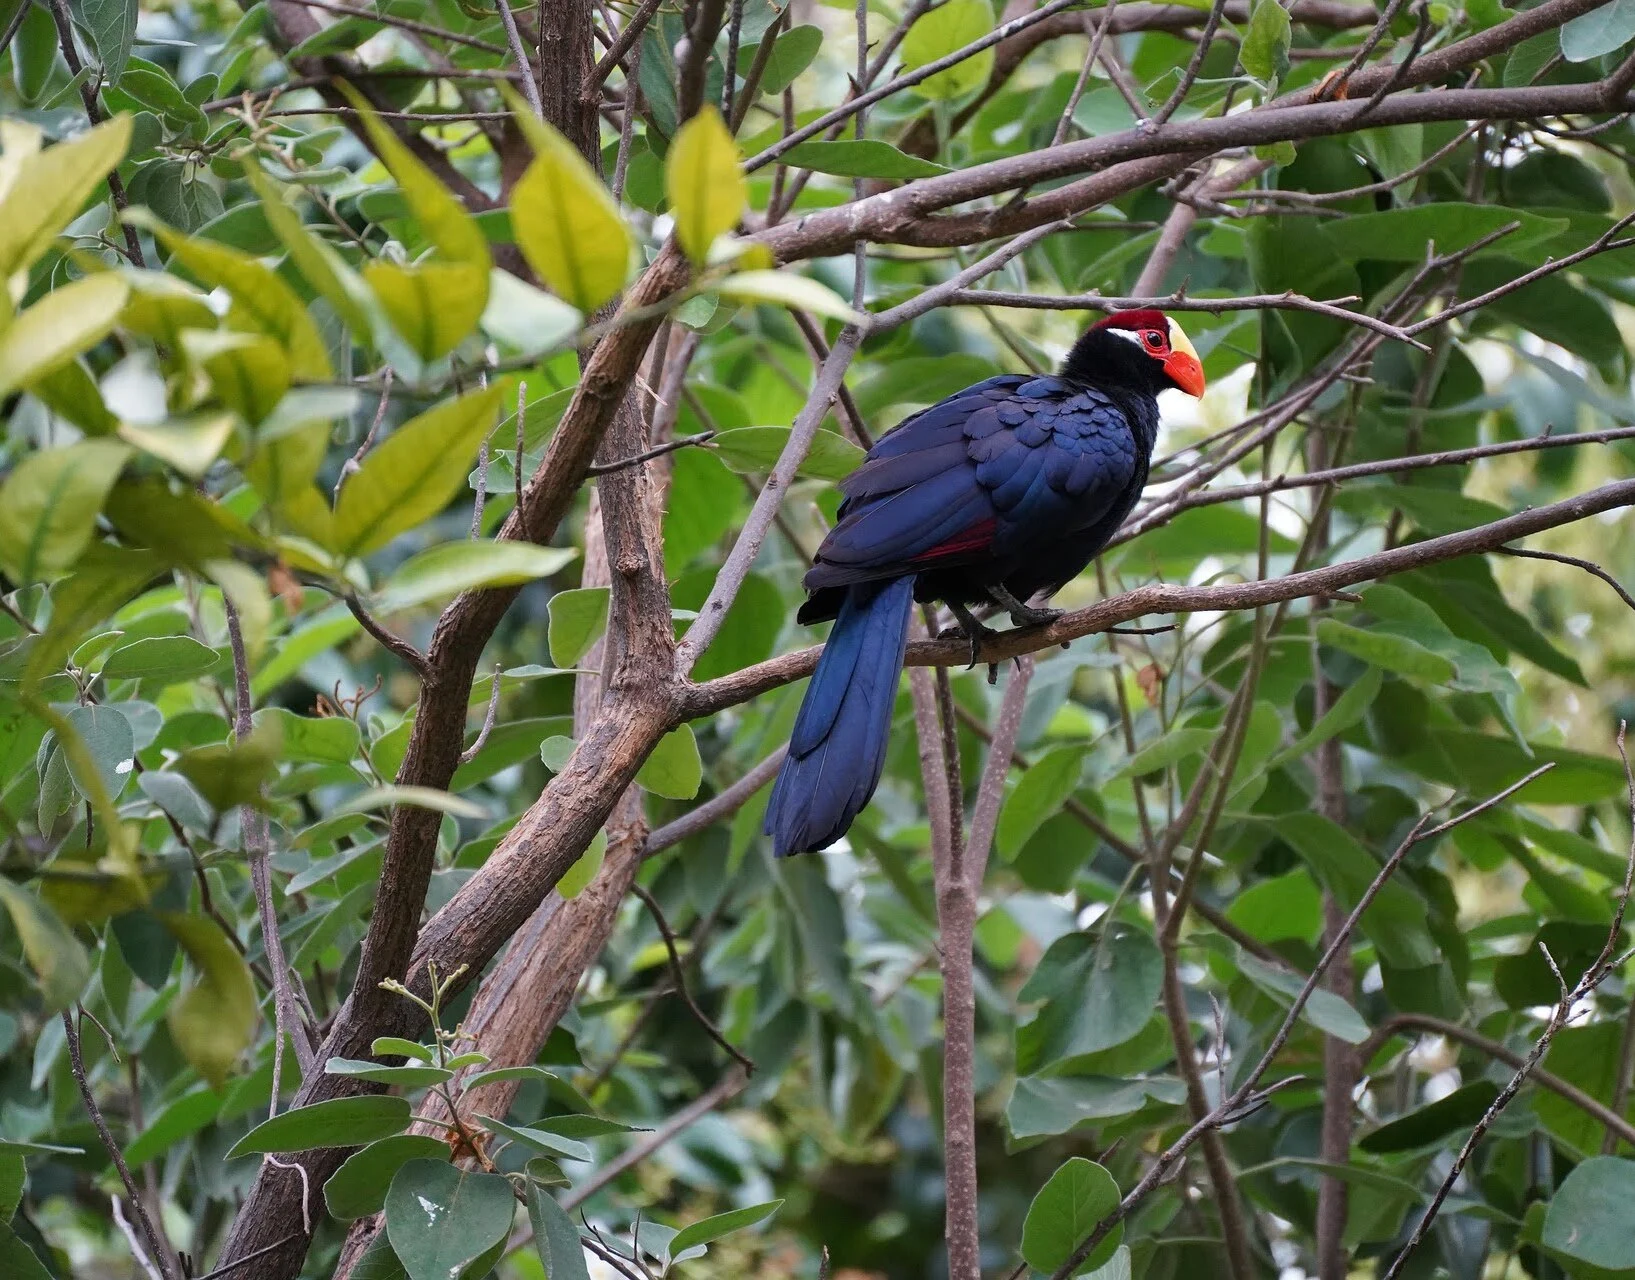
[(838, 747)]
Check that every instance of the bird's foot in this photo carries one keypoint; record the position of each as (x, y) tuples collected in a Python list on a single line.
[(1027, 616), (969, 629)]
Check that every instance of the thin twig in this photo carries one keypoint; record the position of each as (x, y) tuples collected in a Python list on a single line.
[(355, 462), (724, 1088), (1588, 566), (713, 810), (647, 455), (513, 37), (397, 644), (1190, 76), (76, 1062), (679, 976), (149, 1268), (93, 112), (406, 24), (470, 753), (1097, 32), (617, 50)]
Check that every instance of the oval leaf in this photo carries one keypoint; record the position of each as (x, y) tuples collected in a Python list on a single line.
[(704, 182), (340, 1122)]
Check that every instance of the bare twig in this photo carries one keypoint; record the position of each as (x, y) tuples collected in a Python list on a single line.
[(727, 802), (620, 46), (1588, 566), (1591, 978), (94, 113), (647, 455), (397, 644), (149, 1268), (1189, 77), (724, 1088), (156, 1246), (353, 463), (1097, 31), (513, 38), (405, 24), (679, 977), (470, 753)]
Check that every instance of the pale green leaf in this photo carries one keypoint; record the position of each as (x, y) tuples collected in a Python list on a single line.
[(704, 181), (674, 769), (51, 187), (945, 30), (59, 328), (787, 288), (444, 571), (53, 953), (214, 1020), (49, 506)]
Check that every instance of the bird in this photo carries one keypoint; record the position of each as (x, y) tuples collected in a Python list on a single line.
[(998, 494)]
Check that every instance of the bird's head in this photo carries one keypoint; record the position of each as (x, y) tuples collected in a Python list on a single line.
[(1143, 350)]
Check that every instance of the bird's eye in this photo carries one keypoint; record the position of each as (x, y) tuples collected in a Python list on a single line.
[(1154, 339)]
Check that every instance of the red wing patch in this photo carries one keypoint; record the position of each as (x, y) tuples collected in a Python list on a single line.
[(977, 538)]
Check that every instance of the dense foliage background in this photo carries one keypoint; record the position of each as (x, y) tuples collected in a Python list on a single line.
[(297, 707)]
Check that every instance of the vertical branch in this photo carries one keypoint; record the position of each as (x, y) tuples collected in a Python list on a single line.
[(286, 1018)]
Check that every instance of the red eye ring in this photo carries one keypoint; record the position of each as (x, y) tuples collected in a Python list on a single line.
[(1153, 338)]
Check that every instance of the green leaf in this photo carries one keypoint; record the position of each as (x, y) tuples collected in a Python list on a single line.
[(1264, 53), (577, 877), (1400, 235), (232, 773), (320, 739), (555, 751), (17, 1260), (109, 750), (566, 222), (791, 54), (441, 1219), (176, 1121), (556, 1239), (193, 443), (441, 572), (50, 188), (711, 1229), (704, 182), (13, 1177), (1324, 1010), (417, 797), (1040, 792), (112, 26), (1067, 1209), (414, 474), (1169, 749), (249, 371), (340, 1122), (53, 953), (411, 1076), (322, 268), (945, 30), (756, 450), (578, 619), (379, 1262), (787, 288), (1348, 708), (1098, 991), (214, 1020), (1589, 1217), (49, 505), (861, 158), (673, 769), (1600, 31), (1050, 1105), (262, 302), (540, 1140), (434, 305), (1388, 652), (527, 320), (60, 327), (358, 1188), (1429, 1125)]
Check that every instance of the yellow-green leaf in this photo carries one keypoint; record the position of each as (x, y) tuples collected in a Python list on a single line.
[(945, 30), (50, 189), (49, 506), (262, 303), (160, 306), (704, 182), (674, 769), (214, 1020), (581, 873), (440, 572), (53, 952), (434, 305), (58, 328), (325, 270), (567, 223), (249, 371), (188, 444), (787, 288), (443, 218), (414, 474)]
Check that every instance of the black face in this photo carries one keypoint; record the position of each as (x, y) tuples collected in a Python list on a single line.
[(1118, 360)]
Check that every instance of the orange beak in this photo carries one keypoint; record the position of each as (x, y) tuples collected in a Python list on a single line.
[(1182, 365)]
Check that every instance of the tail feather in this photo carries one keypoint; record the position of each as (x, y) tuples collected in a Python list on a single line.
[(838, 748)]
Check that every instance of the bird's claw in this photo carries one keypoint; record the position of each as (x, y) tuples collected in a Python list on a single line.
[(973, 631)]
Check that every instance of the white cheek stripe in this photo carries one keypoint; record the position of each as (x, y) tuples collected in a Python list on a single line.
[(1129, 335)]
